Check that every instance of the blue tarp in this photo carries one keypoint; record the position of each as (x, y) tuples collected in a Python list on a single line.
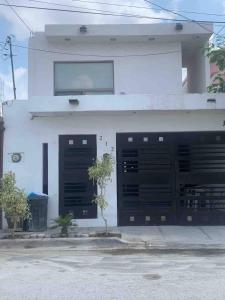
[(34, 195)]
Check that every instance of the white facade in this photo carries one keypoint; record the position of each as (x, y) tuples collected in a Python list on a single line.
[(148, 97)]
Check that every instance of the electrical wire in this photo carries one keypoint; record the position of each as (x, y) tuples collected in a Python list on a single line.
[(19, 17), (144, 7), (92, 55), (80, 7), (92, 13), (112, 14), (180, 15)]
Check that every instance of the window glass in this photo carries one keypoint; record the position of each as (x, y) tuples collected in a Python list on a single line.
[(84, 78)]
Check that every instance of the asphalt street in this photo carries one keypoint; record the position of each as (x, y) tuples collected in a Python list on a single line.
[(56, 273)]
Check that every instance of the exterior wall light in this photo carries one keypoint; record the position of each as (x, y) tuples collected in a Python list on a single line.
[(211, 100), (179, 26), (74, 102), (83, 29)]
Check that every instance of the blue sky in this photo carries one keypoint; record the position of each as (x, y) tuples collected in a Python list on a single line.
[(10, 24)]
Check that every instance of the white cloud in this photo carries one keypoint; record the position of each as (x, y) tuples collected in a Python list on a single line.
[(36, 19), (21, 84), (175, 4)]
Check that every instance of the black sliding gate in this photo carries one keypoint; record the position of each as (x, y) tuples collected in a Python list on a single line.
[(171, 178), (76, 155)]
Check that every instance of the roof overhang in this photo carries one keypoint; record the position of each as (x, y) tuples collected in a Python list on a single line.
[(128, 32)]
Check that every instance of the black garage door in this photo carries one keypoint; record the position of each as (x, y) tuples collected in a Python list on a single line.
[(171, 178), (76, 155)]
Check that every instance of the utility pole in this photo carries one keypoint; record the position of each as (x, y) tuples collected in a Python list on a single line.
[(9, 42)]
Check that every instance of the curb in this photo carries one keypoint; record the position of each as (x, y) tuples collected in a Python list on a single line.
[(71, 243), (106, 244)]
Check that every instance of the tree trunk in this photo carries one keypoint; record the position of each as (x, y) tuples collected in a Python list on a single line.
[(106, 225), (64, 231), (15, 221)]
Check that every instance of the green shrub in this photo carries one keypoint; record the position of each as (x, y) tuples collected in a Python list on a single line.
[(13, 201), (64, 222)]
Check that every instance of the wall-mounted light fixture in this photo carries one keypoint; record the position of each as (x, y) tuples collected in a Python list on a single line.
[(83, 29), (74, 102), (211, 100), (179, 26)]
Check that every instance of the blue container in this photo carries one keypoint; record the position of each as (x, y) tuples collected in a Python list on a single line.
[(39, 210)]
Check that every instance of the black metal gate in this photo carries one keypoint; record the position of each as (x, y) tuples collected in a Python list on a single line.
[(171, 178), (76, 155)]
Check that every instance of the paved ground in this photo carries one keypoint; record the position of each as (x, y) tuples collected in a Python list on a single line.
[(186, 235), (57, 273), (172, 236), (165, 235)]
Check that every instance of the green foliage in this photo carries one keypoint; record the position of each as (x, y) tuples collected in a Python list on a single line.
[(64, 222), (100, 173), (13, 201), (216, 54)]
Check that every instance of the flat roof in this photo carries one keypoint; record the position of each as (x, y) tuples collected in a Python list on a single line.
[(128, 32)]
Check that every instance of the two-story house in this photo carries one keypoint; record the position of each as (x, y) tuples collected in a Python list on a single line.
[(117, 89)]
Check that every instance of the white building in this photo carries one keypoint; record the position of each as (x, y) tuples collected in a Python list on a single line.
[(118, 89)]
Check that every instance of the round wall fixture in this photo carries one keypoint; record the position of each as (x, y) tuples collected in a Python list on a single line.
[(16, 157)]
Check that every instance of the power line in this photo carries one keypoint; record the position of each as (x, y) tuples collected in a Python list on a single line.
[(92, 55), (219, 31), (19, 17), (178, 14), (144, 7), (104, 11), (111, 14), (79, 7), (92, 13)]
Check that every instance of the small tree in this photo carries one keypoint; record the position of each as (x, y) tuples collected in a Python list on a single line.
[(13, 201), (100, 173)]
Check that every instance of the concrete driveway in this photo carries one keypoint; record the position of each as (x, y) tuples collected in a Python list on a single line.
[(57, 273), (176, 234)]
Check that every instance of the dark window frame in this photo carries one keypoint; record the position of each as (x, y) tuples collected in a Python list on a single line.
[(45, 168)]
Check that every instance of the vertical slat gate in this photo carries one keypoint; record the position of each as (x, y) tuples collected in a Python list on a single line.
[(201, 178), (146, 179), (76, 154), (171, 178)]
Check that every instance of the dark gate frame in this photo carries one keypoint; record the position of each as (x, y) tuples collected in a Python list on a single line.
[(195, 209), (78, 190)]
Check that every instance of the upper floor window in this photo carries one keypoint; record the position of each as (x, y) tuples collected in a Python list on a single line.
[(83, 78)]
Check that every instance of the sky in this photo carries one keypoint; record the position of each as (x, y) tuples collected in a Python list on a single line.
[(10, 24)]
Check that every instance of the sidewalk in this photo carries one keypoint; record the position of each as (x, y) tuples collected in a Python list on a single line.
[(139, 238), (177, 237), (173, 237)]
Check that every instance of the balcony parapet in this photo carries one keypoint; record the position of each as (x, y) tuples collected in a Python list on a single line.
[(124, 103)]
